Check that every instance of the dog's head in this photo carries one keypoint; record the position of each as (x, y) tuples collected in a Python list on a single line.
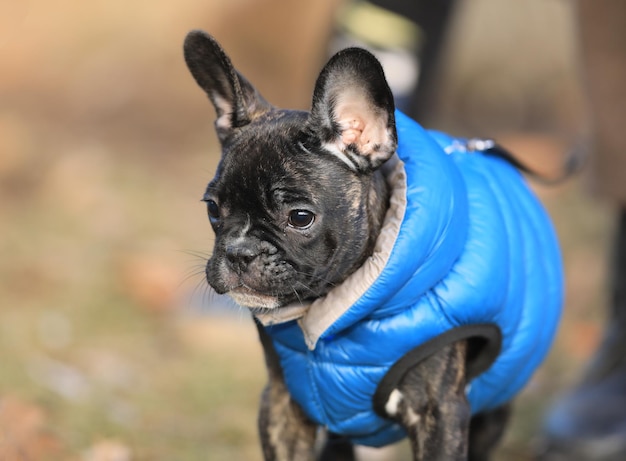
[(297, 201)]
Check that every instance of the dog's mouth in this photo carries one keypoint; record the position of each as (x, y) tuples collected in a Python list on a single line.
[(253, 287), (247, 297)]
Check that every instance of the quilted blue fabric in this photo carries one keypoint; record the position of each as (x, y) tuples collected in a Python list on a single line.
[(475, 247)]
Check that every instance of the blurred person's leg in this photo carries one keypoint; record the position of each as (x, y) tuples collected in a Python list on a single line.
[(589, 422), (433, 19), (408, 38)]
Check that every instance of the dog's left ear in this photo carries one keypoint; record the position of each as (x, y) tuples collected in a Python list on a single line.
[(353, 110)]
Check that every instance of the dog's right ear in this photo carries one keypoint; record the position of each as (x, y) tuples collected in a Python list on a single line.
[(353, 110), (235, 100)]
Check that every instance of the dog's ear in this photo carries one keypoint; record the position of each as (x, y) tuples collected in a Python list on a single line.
[(353, 110), (236, 101)]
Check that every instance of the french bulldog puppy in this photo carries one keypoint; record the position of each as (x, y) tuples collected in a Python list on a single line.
[(297, 204)]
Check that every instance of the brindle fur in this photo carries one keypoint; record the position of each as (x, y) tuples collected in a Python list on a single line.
[(258, 144)]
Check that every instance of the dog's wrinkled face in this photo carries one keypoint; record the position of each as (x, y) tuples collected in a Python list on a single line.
[(278, 210), (297, 200)]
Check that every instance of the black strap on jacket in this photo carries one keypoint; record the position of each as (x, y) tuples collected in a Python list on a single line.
[(484, 343)]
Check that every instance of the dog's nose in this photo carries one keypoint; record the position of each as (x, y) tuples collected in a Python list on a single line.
[(240, 256)]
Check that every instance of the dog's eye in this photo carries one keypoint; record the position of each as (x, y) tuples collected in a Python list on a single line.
[(301, 219), (213, 209)]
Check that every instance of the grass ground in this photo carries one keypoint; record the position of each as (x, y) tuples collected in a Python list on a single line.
[(107, 351)]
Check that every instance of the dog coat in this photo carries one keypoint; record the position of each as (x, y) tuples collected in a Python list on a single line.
[(466, 252)]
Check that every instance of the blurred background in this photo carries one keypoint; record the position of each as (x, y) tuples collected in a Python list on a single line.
[(109, 347)]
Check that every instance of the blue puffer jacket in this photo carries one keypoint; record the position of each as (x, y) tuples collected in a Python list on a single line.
[(466, 251)]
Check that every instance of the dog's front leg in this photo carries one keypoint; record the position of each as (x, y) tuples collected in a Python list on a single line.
[(431, 404), (285, 431), (286, 434)]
